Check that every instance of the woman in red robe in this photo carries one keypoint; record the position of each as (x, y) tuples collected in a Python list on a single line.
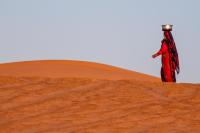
[(170, 60)]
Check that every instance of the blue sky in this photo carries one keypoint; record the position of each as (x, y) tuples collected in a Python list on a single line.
[(122, 33)]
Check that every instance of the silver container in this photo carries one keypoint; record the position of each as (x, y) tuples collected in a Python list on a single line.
[(167, 27)]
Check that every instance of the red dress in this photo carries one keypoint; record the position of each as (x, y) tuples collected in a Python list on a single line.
[(166, 74)]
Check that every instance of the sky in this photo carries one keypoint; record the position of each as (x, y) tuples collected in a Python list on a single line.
[(123, 33)]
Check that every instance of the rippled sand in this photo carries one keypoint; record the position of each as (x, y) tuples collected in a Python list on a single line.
[(92, 104)]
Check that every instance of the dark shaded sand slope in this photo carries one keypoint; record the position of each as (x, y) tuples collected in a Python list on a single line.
[(100, 99)]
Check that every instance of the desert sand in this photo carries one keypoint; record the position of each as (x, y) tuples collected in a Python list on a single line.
[(84, 97)]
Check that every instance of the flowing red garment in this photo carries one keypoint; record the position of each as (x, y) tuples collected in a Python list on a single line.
[(170, 61)]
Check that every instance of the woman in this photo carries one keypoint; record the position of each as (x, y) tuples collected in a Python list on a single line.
[(170, 61)]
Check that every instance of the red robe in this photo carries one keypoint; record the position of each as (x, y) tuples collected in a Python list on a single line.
[(166, 72)]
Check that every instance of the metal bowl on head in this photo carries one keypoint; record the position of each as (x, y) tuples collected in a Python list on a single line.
[(167, 27)]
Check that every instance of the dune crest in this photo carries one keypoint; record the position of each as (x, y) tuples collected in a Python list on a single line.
[(69, 68)]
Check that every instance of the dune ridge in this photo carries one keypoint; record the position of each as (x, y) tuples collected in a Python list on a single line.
[(135, 103), (70, 68)]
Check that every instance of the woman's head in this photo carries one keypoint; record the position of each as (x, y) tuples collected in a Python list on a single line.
[(168, 35)]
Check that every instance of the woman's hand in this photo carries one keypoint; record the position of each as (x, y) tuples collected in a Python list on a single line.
[(154, 56)]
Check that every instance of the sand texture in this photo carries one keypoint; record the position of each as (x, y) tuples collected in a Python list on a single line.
[(84, 97)]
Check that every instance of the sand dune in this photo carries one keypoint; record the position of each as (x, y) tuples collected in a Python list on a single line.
[(92, 98), (61, 68)]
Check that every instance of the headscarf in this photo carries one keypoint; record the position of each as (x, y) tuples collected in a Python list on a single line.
[(174, 60)]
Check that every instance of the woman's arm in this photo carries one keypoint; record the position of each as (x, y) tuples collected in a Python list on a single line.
[(157, 54), (162, 49)]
